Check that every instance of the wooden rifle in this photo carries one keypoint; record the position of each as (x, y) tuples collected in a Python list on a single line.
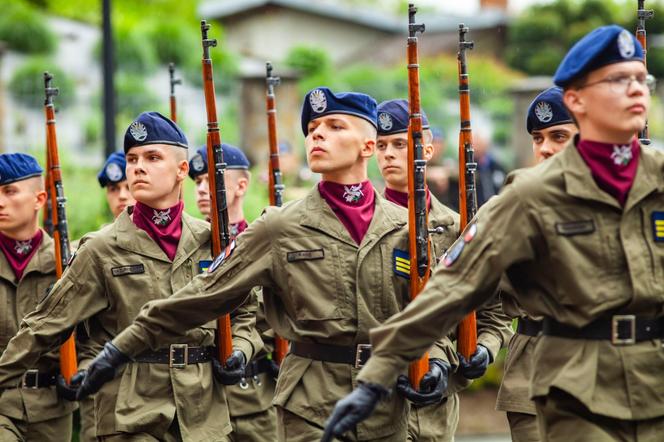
[(174, 81), (221, 238), (68, 361), (642, 15), (275, 183), (467, 330), (418, 223)]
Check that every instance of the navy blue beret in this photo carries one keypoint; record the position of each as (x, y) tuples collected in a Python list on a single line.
[(546, 110), (603, 46), (153, 128), (18, 166), (233, 157), (113, 170), (393, 117), (322, 101)]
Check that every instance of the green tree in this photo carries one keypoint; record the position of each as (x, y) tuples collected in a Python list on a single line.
[(25, 29), (27, 83)]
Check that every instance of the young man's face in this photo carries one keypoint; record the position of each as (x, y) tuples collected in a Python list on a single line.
[(392, 156), (119, 197), (336, 142), (236, 182), (551, 140), (20, 203), (608, 106), (154, 172)]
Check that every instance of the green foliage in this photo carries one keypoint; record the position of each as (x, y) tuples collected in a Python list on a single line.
[(540, 37), (310, 61), (132, 95), (225, 68), (27, 83), (134, 52), (25, 29), (174, 42)]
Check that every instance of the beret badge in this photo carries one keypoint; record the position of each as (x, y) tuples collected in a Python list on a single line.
[(318, 101), (113, 172), (626, 45), (138, 131), (385, 121), (197, 163), (543, 112)]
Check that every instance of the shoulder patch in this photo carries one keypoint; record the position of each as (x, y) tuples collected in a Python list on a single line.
[(221, 257), (658, 226), (571, 228), (401, 263), (133, 269), (454, 252)]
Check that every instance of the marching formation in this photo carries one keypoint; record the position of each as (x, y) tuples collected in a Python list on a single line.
[(351, 313)]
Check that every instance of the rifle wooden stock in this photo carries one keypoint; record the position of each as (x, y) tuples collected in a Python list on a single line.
[(418, 223), (219, 210), (173, 81), (275, 181), (642, 15), (68, 361), (467, 330)]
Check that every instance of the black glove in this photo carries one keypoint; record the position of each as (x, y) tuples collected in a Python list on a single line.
[(353, 409), (102, 369), (432, 386), (476, 367), (233, 371), (69, 391)]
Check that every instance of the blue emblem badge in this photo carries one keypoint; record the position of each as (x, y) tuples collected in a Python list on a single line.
[(454, 252), (658, 226), (203, 266), (401, 266)]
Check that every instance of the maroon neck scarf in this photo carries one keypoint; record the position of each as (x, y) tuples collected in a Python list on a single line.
[(401, 198), (613, 166), (19, 253), (353, 205), (163, 226), (238, 228)]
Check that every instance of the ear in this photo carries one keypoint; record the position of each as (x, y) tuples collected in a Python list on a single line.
[(428, 152), (575, 101), (183, 171), (242, 185), (368, 148), (40, 199)]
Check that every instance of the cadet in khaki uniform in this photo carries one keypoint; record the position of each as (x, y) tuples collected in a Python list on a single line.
[(30, 409), (149, 251), (436, 422), (327, 267), (581, 239), (552, 129), (250, 402)]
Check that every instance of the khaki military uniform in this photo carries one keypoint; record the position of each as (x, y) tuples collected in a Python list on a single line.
[(114, 272), (253, 417), (438, 423), (573, 255), (319, 287), (30, 414), (514, 392)]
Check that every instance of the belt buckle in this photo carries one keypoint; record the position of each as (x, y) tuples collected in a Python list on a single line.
[(360, 352), (616, 336), (177, 353), (30, 375)]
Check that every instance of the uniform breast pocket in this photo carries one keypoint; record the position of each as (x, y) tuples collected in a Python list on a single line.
[(313, 278), (131, 286)]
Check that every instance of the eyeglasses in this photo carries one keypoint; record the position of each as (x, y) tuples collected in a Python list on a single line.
[(621, 83)]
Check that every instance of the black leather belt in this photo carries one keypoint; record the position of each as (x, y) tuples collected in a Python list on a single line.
[(619, 329), (528, 327), (258, 366), (356, 355), (178, 355), (36, 379)]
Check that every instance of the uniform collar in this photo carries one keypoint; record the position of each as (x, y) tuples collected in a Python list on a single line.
[(135, 240), (318, 215), (43, 261), (580, 183)]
